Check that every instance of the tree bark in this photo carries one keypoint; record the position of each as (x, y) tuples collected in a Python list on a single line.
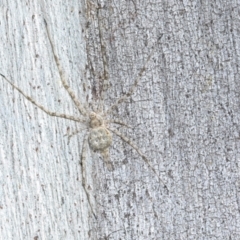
[(184, 116)]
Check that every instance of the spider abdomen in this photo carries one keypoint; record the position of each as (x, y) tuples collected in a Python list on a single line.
[(99, 139)]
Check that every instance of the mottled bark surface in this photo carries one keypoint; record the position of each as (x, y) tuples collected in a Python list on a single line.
[(184, 116)]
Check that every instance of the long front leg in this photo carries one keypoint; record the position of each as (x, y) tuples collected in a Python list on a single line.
[(53, 114), (63, 77), (134, 86)]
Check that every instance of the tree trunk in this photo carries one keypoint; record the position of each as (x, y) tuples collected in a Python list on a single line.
[(183, 113)]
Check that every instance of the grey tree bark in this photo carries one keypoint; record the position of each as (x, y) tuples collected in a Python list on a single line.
[(184, 116)]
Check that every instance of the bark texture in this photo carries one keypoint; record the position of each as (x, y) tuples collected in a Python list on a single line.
[(184, 115)]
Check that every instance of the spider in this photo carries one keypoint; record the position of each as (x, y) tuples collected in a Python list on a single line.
[(99, 133)]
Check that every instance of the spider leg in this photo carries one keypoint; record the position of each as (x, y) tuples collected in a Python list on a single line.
[(63, 77), (105, 74), (74, 133), (128, 141), (133, 87), (83, 164), (53, 114), (119, 122)]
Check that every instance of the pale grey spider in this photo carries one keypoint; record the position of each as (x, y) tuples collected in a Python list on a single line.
[(99, 134)]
